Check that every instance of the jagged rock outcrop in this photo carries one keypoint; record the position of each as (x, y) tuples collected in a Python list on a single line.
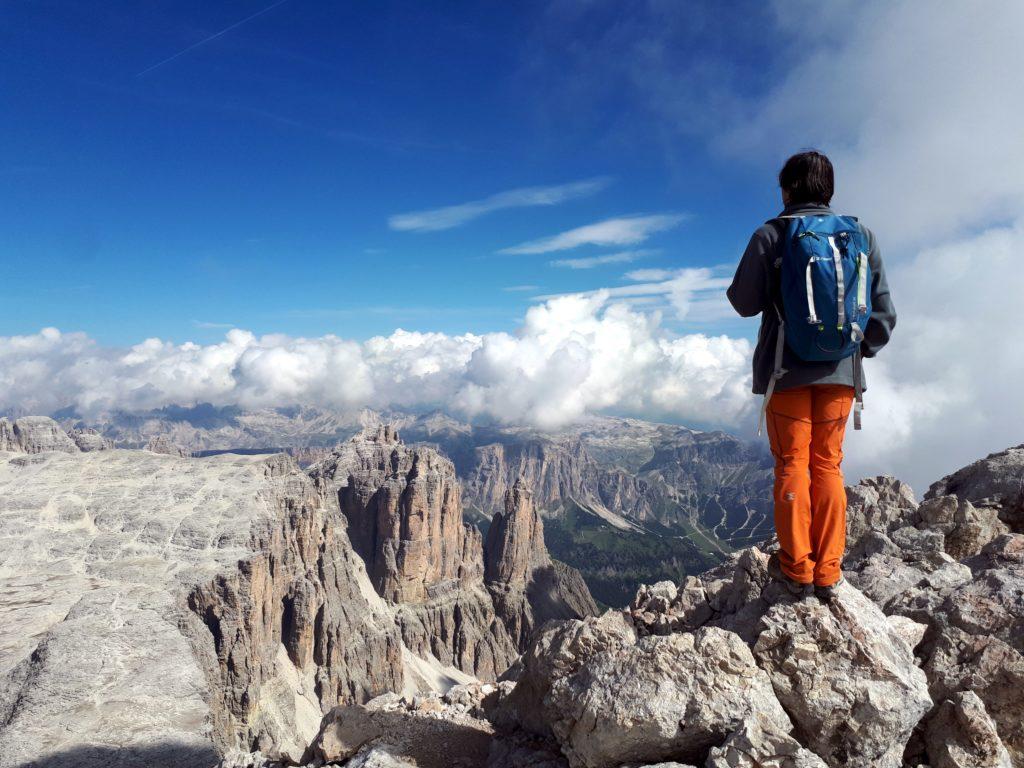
[(996, 481), (176, 608), (162, 444), (34, 434), (943, 577), (948, 565), (527, 586), (88, 439), (649, 699), (835, 680), (404, 509), (845, 676)]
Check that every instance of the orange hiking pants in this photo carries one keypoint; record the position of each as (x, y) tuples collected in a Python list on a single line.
[(806, 426)]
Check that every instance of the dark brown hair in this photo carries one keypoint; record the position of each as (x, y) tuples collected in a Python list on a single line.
[(808, 178)]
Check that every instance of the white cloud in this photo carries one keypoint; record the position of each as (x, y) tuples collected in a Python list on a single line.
[(948, 388), (437, 219), (589, 262), (919, 107), (621, 230), (696, 295), (573, 355)]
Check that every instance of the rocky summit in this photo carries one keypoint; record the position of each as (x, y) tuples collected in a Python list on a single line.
[(162, 610)]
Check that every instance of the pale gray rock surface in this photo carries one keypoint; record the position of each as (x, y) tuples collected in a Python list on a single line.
[(843, 674), (162, 606), (847, 679), (609, 698), (987, 667), (34, 434), (90, 440), (425, 732), (966, 529), (162, 444), (664, 697), (962, 735), (753, 746)]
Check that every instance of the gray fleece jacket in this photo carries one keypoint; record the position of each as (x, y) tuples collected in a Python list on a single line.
[(755, 288)]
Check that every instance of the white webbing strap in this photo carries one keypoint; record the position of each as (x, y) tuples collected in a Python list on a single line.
[(812, 318), (837, 259), (858, 389), (862, 282), (777, 373)]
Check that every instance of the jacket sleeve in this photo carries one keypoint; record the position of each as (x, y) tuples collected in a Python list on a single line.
[(749, 292), (883, 312)]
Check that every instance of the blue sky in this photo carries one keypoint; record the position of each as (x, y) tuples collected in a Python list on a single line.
[(249, 181), (270, 204)]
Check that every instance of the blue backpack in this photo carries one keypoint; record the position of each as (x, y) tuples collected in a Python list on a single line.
[(824, 280)]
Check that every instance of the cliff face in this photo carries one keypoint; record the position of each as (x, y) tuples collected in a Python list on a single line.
[(675, 477), (34, 434), (404, 510), (555, 472), (526, 585)]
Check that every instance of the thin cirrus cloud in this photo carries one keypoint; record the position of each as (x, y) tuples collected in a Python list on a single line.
[(617, 231), (448, 217), (589, 262), (696, 295)]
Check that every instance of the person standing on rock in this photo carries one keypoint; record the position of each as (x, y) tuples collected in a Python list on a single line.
[(817, 280)]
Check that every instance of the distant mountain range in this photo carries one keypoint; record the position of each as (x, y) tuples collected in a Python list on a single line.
[(625, 501)]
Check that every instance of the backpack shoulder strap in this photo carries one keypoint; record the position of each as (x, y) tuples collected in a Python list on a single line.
[(775, 291)]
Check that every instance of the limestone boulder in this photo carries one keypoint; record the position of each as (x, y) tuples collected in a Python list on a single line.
[(966, 529), (846, 677), (962, 735), (387, 734), (609, 698), (988, 667), (754, 746), (88, 439)]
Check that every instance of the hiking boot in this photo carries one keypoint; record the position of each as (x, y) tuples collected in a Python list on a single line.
[(828, 594), (794, 588)]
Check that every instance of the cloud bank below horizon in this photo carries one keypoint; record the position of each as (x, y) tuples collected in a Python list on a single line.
[(573, 355)]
